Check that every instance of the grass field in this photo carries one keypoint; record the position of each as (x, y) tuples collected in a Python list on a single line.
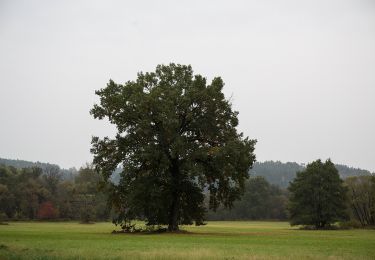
[(216, 240)]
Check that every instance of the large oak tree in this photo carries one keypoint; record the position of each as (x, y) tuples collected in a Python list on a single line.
[(176, 138)]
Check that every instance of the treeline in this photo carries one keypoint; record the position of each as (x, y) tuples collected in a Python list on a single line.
[(281, 174), (275, 172), (261, 200), (266, 195), (43, 193), (66, 174)]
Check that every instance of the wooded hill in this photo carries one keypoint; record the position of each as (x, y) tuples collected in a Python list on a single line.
[(66, 174), (280, 174), (31, 190), (275, 172)]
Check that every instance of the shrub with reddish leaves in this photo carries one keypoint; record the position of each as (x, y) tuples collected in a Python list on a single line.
[(47, 211)]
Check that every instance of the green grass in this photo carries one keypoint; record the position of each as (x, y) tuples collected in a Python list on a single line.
[(216, 240)]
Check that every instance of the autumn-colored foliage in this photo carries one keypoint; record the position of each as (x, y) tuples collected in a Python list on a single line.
[(47, 211)]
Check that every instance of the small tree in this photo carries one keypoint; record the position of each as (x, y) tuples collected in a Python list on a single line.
[(90, 198), (52, 177), (87, 213), (317, 196), (362, 198)]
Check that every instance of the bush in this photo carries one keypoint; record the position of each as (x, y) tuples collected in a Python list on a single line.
[(313, 227), (87, 215), (47, 211), (350, 224)]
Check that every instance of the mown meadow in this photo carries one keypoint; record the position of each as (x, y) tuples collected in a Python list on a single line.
[(216, 240)]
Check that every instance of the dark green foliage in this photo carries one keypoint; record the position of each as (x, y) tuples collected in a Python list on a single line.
[(52, 177), (317, 196), (28, 193), (362, 199), (260, 201), (86, 208), (24, 192), (176, 136), (91, 204)]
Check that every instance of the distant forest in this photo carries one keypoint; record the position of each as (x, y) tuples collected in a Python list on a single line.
[(275, 172), (280, 174), (66, 174), (266, 194), (35, 190)]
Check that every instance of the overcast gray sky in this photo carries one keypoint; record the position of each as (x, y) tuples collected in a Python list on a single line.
[(301, 73)]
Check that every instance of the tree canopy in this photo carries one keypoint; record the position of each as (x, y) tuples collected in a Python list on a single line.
[(261, 200), (176, 137), (317, 196), (31, 193)]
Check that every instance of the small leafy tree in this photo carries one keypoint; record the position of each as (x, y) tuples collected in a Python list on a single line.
[(176, 137), (86, 210), (317, 196), (90, 197), (7, 202), (52, 176), (362, 198)]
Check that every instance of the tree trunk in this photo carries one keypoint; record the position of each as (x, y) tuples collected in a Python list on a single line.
[(175, 204), (173, 215)]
